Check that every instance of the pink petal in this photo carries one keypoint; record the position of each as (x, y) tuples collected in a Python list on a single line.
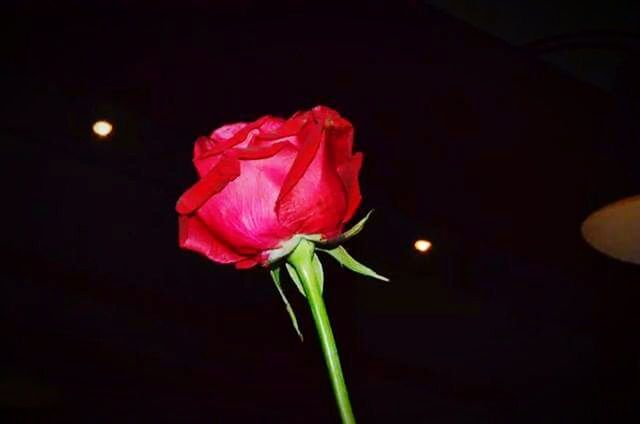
[(217, 179), (208, 149), (246, 264), (243, 214), (287, 130), (203, 162), (194, 235), (260, 152), (311, 137), (313, 197), (340, 140), (226, 132)]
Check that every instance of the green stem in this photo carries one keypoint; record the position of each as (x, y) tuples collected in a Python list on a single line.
[(301, 259)]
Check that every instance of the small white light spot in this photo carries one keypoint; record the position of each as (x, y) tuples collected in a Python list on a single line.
[(422, 245), (102, 128)]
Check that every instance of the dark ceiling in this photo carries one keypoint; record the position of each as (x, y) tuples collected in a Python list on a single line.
[(588, 39), (477, 145)]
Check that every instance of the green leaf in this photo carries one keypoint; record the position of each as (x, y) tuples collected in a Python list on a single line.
[(275, 274), (317, 267), (346, 260), (294, 276)]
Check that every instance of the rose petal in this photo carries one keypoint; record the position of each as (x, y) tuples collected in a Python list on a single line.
[(339, 140), (208, 149), (260, 152), (204, 144), (349, 173), (246, 264), (226, 132), (316, 202), (288, 129), (311, 137), (243, 214), (241, 135), (271, 125), (204, 166), (195, 235), (217, 179)]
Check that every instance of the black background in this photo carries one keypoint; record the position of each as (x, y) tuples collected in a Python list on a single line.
[(469, 142)]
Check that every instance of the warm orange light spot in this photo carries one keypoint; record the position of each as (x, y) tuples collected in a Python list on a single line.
[(422, 245), (102, 128)]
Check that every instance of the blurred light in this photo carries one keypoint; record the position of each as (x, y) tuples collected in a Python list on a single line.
[(615, 230), (422, 245), (102, 128)]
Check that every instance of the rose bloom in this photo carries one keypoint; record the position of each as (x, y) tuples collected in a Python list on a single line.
[(265, 183)]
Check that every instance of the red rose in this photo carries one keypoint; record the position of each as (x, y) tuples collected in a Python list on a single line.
[(264, 183)]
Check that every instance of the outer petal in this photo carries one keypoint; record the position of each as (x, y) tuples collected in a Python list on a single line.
[(204, 144), (243, 214), (349, 173), (311, 138), (204, 164), (227, 132), (313, 198), (246, 263), (194, 235), (339, 139), (207, 149), (228, 169), (271, 125), (288, 129), (260, 152)]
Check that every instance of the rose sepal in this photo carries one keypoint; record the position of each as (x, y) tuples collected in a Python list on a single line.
[(278, 255), (343, 257), (275, 275), (347, 235)]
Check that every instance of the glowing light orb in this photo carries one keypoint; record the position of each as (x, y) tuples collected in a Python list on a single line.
[(422, 245), (102, 128)]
